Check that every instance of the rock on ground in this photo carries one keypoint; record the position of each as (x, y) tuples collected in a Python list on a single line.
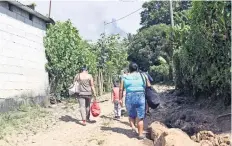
[(209, 138), (163, 136)]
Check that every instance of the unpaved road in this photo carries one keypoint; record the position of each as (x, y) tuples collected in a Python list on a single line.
[(62, 127), (66, 130)]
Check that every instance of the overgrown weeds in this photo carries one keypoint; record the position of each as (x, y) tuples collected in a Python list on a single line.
[(19, 119)]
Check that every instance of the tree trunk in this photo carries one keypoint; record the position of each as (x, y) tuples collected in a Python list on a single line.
[(99, 82), (170, 73), (96, 84), (109, 83)]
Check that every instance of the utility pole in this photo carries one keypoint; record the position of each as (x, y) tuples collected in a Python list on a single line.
[(172, 24), (50, 3), (171, 13)]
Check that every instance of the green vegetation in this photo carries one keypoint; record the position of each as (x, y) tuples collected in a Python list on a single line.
[(194, 54), (157, 12), (20, 119), (202, 55), (196, 49), (147, 45), (160, 72), (111, 57), (67, 52)]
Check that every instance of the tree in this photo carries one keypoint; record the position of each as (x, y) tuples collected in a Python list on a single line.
[(146, 46), (203, 55), (111, 58), (158, 12), (66, 52)]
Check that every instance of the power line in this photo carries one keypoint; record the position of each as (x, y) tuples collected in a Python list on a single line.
[(123, 16)]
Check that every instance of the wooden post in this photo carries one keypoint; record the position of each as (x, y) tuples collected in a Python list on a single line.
[(171, 13)]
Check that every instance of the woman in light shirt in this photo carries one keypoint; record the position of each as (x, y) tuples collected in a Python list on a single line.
[(135, 97)]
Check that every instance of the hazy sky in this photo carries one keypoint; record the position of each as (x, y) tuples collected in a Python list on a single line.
[(88, 16)]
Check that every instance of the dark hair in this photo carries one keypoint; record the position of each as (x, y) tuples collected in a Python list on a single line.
[(83, 68), (116, 84), (133, 67)]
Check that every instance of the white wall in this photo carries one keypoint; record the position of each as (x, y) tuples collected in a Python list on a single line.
[(22, 55)]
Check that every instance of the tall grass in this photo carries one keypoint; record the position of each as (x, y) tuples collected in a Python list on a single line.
[(19, 119)]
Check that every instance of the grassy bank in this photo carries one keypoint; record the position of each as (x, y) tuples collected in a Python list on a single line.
[(13, 121)]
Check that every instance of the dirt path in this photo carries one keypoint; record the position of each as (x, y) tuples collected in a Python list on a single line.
[(66, 130), (62, 127)]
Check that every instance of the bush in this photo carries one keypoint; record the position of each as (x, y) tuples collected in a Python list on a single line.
[(203, 58), (66, 52), (160, 73)]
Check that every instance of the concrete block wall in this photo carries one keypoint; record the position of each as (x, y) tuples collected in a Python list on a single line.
[(22, 55), (21, 15)]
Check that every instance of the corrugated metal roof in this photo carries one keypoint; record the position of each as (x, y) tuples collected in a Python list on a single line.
[(29, 10)]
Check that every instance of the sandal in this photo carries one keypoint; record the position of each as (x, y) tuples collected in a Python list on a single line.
[(84, 123)]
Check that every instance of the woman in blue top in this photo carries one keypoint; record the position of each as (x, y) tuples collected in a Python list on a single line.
[(135, 97)]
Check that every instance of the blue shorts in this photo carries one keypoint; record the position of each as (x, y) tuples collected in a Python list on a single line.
[(135, 104)]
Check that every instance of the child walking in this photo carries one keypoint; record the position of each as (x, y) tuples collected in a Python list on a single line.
[(115, 100)]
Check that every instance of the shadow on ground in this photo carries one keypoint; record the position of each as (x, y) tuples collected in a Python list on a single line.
[(110, 118), (68, 118), (101, 101), (126, 132)]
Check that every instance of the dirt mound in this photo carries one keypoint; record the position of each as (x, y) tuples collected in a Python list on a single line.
[(163, 136), (156, 129), (212, 139), (190, 115)]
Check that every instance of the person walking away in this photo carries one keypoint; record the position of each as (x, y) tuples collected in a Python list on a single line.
[(87, 91), (116, 101), (135, 97)]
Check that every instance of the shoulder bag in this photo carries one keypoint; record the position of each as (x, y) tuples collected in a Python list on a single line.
[(74, 88), (151, 95)]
